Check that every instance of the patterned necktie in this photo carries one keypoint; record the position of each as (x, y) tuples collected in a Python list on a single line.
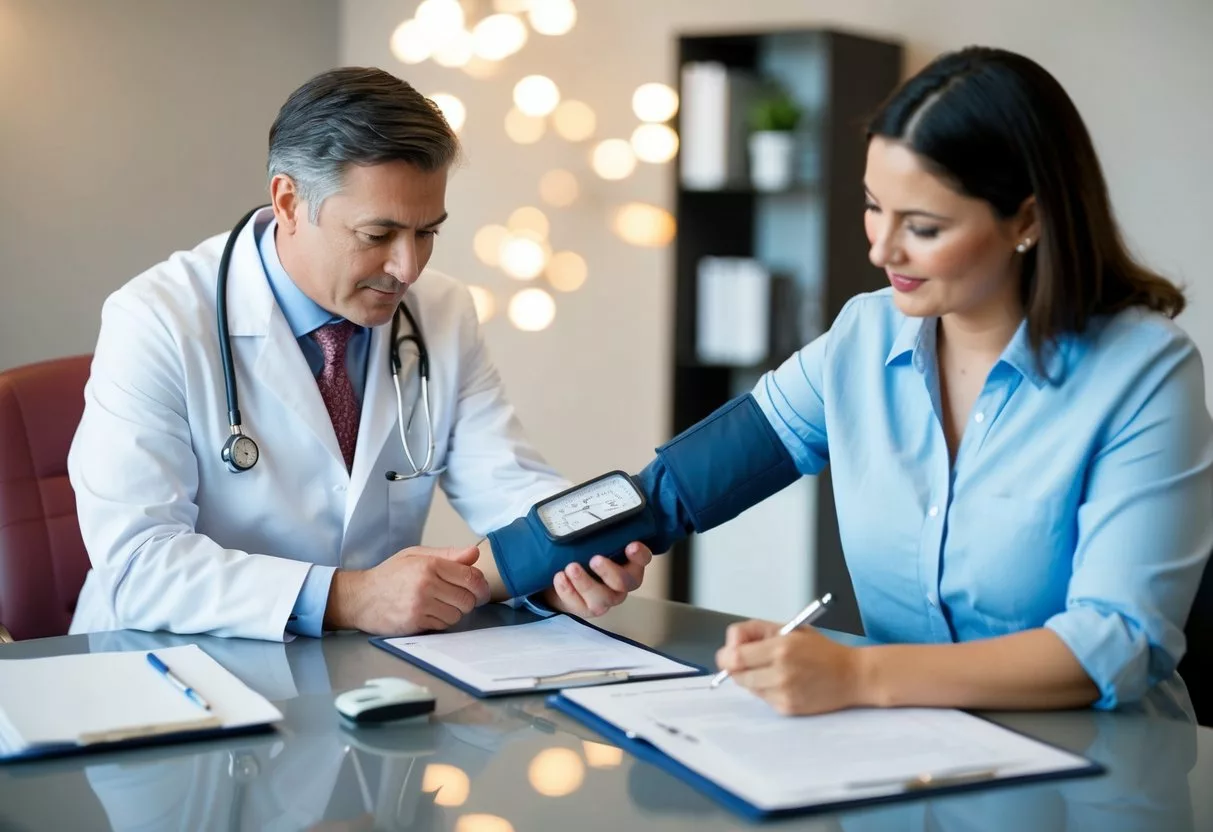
[(336, 388)]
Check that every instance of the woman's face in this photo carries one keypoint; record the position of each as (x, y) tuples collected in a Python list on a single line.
[(944, 253)]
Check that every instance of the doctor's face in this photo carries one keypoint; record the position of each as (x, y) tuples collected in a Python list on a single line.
[(370, 243)]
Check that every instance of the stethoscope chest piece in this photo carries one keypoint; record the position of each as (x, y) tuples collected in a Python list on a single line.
[(240, 452)]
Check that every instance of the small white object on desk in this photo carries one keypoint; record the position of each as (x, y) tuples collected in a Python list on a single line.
[(388, 699)]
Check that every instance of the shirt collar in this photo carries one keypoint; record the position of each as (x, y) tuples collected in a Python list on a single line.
[(916, 337), (303, 314)]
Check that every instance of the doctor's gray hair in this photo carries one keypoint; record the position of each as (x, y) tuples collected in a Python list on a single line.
[(355, 116)]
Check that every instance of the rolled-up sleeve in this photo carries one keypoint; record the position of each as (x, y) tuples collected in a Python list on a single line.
[(791, 399), (1145, 530)]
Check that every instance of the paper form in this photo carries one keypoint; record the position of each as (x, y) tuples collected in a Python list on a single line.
[(520, 656), (738, 741)]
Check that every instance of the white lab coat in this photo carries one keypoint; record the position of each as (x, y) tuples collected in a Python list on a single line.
[(177, 541)]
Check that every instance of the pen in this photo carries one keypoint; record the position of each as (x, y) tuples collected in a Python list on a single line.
[(806, 616), (163, 670)]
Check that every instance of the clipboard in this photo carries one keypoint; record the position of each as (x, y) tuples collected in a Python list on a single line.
[(97, 702), (645, 663), (910, 788)]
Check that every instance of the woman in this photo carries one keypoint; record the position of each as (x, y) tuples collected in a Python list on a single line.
[(1017, 433)]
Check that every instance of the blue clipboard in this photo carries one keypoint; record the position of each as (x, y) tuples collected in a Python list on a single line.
[(649, 753), (694, 669), (47, 752)]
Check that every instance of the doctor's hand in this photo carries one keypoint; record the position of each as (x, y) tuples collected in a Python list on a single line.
[(418, 588), (576, 591), (801, 673)]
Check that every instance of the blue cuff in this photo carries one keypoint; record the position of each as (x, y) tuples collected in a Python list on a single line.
[(307, 618), (703, 477)]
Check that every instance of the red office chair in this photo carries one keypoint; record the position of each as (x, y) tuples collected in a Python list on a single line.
[(42, 556)]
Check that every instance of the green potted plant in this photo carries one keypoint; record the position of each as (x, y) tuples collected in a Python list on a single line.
[(774, 116)]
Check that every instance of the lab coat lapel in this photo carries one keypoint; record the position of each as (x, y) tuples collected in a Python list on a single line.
[(378, 420), (280, 366)]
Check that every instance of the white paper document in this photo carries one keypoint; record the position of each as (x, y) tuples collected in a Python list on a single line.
[(774, 762), (556, 652), (108, 697)]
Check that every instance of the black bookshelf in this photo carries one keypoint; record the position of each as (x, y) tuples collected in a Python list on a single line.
[(840, 80)]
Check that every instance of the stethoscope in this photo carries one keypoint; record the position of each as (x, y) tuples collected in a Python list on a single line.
[(241, 453)]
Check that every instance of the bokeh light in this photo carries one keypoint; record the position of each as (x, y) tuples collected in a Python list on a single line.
[(574, 120), (522, 128), (529, 218), (599, 755), (450, 782), (455, 50), (498, 36), (536, 95), (488, 242), (552, 17), (452, 109), (654, 143), (409, 43), (485, 303), (567, 271), (642, 224), (523, 258), (532, 310), (556, 772), (440, 18), (613, 159), (559, 188), (654, 102), (482, 823)]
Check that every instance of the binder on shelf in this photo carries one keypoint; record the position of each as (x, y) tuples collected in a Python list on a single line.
[(712, 126), (733, 314)]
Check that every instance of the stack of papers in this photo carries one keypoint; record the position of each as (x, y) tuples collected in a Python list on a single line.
[(69, 702)]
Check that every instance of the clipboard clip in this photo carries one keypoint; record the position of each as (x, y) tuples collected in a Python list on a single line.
[(573, 678), (931, 780)]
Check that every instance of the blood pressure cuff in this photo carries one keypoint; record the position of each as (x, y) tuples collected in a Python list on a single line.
[(703, 477)]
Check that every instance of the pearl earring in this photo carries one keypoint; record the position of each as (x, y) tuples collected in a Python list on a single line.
[(1023, 247)]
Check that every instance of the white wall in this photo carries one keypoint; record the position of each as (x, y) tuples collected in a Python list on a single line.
[(593, 390), (130, 129)]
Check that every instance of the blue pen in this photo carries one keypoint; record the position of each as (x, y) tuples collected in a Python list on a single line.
[(162, 668)]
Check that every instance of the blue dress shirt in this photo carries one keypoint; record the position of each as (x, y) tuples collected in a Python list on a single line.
[(1081, 497), (305, 316)]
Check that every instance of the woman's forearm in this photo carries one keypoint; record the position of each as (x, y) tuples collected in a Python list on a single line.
[(1029, 670)]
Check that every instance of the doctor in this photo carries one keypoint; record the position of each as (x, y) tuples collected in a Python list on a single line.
[(280, 497)]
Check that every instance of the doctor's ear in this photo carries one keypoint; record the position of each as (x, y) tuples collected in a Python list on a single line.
[(288, 206)]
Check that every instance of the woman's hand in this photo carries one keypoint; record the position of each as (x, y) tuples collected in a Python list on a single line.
[(576, 591), (800, 673)]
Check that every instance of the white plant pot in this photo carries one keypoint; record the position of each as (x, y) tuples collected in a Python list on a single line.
[(772, 154)]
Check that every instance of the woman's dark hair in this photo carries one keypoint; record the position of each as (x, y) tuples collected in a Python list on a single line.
[(998, 127)]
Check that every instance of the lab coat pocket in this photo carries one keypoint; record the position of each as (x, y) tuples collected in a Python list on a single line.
[(408, 504)]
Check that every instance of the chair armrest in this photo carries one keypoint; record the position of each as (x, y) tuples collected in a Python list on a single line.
[(5, 636)]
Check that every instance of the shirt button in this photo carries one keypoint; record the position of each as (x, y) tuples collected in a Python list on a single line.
[(931, 599), (979, 418), (338, 488), (933, 511)]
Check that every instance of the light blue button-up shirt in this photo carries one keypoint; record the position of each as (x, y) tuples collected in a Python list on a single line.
[(1081, 497), (305, 316)]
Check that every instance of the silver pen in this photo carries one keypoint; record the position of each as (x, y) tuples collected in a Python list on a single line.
[(805, 617)]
